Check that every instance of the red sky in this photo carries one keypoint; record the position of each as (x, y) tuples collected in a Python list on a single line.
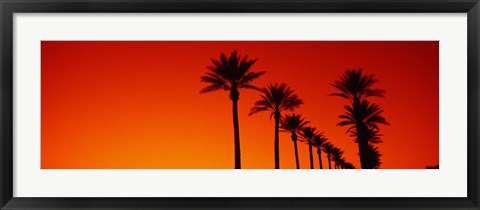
[(136, 104)]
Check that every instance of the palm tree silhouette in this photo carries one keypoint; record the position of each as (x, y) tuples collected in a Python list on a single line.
[(337, 156), (277, 98), (347, 165), (231, 73), (328, 148), (318, 141), (307, 134), (356, 86), (341, 162), (293, 123)]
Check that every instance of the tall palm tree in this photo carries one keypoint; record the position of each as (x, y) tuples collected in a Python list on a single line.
[(356, 86), (328, 148), (277, 98), (318, 141), (363, 121), (307, 134), (337, 156), (231, 73), (293, 123)]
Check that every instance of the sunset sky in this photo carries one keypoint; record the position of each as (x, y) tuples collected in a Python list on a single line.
[(136, 104)]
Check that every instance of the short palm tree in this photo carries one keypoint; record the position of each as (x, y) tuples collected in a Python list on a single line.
[(337, 156), (293, 123), (231, 73), (341, 163), (357, 86), (277, 98), (328, 148), (307, 134), (318, 141), (347, 165)]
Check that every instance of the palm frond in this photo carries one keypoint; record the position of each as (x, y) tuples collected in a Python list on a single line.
[(276, 98), (292, 123), (308, 133), (354, 84), (319, 140), (327, 147), (228, 72)]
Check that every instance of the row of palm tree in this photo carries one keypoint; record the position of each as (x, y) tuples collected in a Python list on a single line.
[(296, 125), (232, 73), (276, 98)]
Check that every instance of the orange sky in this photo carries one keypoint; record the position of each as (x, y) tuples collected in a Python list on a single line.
[(137, 104)]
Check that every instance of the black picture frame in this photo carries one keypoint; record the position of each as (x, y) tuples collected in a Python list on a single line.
[(9, 7)]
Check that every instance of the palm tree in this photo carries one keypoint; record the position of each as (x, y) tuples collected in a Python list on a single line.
[(231, 73), (307, 134), (328, 148), (363, 123), (347, 165), (293, 123), (341, 163), (337, 156), (356, 86), (318, 141), (277, 98)]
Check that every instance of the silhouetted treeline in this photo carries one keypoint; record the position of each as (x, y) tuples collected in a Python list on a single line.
[(362, 117)]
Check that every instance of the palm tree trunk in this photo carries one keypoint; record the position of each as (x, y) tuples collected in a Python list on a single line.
[(236, 131), (362, 140), (329, 163), (276, 144), (363, 147), (234, 94), (296, 154), (319, 152), (311, 155)]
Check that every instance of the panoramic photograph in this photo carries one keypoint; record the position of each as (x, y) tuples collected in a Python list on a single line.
[(240, 105)]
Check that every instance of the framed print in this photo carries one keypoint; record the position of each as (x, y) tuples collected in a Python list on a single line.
[(239, 105)]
